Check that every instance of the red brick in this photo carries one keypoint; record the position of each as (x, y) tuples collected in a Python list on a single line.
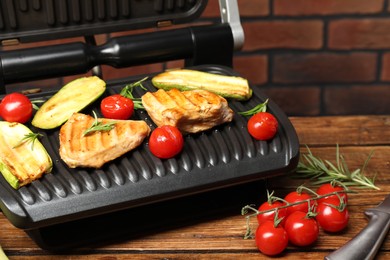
[(358, 100), (113, 73), (326, 7), (283, 34), (246, 8), (175, 64), (253, 7), (211, 10), (324, 67), (359, 34), (385, 73), (43, 85), (297, 101), (254, 68)]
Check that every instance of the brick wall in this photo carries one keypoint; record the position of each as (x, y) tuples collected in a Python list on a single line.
[(323, 57), (312, 57)]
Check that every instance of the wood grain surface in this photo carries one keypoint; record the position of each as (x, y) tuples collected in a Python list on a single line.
[(220, 236)]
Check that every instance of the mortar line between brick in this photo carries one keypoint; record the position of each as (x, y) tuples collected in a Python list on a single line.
[(379, 66), (385, 6)]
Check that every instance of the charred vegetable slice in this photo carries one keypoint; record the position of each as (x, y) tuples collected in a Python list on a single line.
[(23, 158), (183, 79), (70, 99)]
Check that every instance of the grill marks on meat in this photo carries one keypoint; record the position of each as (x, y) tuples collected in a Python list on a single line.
[(97, 148), (190, 111)]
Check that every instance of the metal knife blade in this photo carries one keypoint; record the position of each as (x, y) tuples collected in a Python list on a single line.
[(368, 241)]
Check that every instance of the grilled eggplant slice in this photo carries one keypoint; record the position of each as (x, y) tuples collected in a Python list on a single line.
[(70, 99), (184, 79), (22, 160)]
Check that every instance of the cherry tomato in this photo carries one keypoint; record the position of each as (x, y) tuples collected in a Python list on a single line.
[(166, 142), (295, 196), (262, 217), (301, 229), (117, 107), (329, 188), (262, 126), (330, 218), (16, 107), (271, 240)]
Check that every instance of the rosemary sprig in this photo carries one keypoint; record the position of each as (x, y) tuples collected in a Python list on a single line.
[(250, 211), (30, 137), (99, 126), (322, 171), (262, 107), (36, 102), (127, 91)]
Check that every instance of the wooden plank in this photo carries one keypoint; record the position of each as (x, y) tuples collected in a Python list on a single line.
[(348, 130)]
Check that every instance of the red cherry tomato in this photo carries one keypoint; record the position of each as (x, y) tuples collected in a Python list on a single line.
[(16, 107), (271, 240), (166, 142), (262, 126), (117, 107), (263, 217), (330, 218), (329, 188), (295, 196), (301, 230)]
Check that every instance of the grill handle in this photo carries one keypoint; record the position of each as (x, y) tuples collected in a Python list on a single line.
[(212, 44)]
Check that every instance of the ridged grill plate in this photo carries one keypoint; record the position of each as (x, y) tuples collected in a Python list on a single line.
[(223, 156)]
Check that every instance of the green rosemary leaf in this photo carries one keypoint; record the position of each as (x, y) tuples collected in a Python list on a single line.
[(127, 92), (355, 173), (262, 107), (99, 126), (30, 137), (35, 102), (332, 166)]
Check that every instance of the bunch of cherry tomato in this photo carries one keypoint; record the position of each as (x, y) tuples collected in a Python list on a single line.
[(298, 217)]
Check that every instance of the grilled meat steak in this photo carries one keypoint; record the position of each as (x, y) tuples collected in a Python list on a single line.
[(97, 148), (190, 111)]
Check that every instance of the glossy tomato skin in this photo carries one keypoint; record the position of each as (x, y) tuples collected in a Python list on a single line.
[(331, 219), (117, 107), (16, 107), (327, 188), (271, 240), (269, 216), (262, 126), (166, 142), (301, 230), (295, 196)]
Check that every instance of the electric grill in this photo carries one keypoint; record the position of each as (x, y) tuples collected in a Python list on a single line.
[(225, 156)]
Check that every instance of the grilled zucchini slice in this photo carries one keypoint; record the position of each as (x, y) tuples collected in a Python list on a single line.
[(232, 87), (70, 99), (22, 159)]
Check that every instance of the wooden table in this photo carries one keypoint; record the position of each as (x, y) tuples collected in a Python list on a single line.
[(221, 236)]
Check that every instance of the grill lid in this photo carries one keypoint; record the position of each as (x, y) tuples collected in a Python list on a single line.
[(38, 20)]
